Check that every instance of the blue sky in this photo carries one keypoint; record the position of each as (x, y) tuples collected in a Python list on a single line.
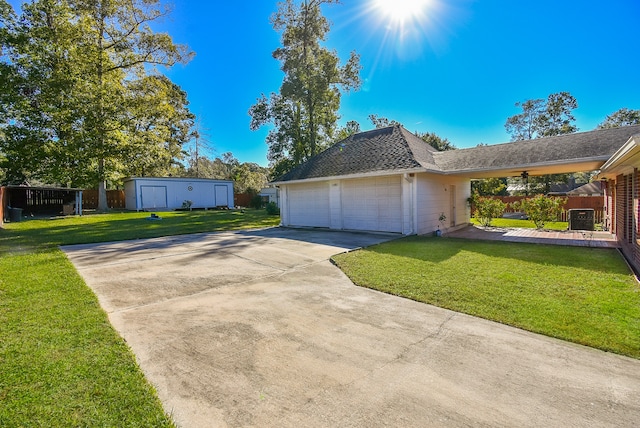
[(456, 70)]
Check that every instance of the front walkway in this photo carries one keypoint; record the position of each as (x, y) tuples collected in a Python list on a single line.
[(577, 238)]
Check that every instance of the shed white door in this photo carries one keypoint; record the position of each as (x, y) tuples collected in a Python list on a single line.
[(372, 204), (221, 196), (153, 197), (309, 205)]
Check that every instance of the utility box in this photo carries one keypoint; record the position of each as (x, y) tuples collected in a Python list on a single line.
[(582, 219)]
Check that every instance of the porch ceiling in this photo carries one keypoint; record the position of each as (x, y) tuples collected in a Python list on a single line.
[(569, 166)]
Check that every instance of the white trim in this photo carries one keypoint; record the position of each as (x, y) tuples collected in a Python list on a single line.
[(527, 166), (622, 154), (350, 176)]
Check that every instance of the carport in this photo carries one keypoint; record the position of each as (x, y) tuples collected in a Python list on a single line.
[(40, 201)]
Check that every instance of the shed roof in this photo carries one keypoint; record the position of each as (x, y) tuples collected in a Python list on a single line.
[(394, 149)]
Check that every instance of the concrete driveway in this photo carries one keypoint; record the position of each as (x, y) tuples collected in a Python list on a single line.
[(259, 329)]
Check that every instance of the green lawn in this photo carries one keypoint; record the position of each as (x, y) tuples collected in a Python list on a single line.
[(61, 362), (583, 295), (120, 226)]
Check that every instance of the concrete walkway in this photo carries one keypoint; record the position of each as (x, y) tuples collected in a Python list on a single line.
[(259, 329), (576, 238)]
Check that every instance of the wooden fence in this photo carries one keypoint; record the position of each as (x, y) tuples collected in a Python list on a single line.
[(573, 202), (115, 199), (242, 199)]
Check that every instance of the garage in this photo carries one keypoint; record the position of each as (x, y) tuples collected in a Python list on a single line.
[(372, 204), (309, 204)]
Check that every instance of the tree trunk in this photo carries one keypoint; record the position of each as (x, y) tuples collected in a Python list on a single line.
[(102, 182)]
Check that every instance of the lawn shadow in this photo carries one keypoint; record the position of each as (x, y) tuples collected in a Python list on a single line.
[(433, 249)]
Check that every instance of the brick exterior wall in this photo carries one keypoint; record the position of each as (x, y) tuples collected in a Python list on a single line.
[(626, 215)]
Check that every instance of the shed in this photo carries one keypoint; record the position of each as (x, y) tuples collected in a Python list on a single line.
[(169, 193)]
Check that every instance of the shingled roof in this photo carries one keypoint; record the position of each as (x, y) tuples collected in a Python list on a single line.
[(387, 149), (394, 149), (583, 151)]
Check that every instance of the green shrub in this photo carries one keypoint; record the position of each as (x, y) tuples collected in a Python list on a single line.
[(487, 209), (272, 209), (541, 209), (256, 202)]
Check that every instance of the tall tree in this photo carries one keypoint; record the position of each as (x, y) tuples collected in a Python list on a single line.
[(622, 117), (543, 118), (159, 123), (89, 104), (304, 112), (119, 45), (557, 117), (524, 126)]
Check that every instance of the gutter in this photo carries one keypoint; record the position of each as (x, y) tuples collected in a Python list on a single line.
[(360, 175)]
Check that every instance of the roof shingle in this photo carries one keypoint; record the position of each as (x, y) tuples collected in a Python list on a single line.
[(394, 148)]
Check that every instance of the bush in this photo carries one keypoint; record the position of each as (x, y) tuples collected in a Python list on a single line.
[(541, 209), (256, 202), (487, 209), (272, 209)]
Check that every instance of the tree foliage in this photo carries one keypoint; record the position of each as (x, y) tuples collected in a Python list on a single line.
[(490, 187), (622, 117), (248, 177), (304, 112), (88, 106), (543, 118), (381, 122), (435, 141), (352, 127)]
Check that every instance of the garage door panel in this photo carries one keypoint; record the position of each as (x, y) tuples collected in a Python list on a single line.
[(372, 204), (309, 205)]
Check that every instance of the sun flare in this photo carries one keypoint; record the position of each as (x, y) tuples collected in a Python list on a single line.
[(401, 10)]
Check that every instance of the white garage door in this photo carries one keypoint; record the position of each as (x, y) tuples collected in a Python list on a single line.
[(153, 197), (372, 204), (309, 205)]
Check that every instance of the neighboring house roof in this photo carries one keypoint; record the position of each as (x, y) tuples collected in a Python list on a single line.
[(395, 150), (590, 189)]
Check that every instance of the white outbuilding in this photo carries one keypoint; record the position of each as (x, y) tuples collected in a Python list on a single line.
[(169, 193)]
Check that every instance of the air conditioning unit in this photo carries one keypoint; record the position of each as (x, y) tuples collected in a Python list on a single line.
[(582, 219)]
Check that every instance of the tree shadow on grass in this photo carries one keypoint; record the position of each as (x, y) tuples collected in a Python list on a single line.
[(436, 250)]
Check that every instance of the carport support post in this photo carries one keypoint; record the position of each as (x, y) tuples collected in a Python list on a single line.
[(79, 202)]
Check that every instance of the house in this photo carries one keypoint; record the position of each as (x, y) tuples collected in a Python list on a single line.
[(389, 180), (621, 192), (169, 193), (270, 194), (595, 188)]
